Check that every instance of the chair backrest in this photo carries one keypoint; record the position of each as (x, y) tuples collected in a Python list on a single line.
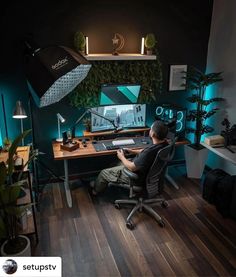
[(156, 174)]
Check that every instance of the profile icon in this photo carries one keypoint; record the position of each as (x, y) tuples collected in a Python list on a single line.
[(10, 266)]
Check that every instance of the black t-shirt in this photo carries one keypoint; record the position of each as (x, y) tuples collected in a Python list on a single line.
[(144, 160)]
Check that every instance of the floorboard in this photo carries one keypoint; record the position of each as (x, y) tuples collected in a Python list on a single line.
[(92, 238)]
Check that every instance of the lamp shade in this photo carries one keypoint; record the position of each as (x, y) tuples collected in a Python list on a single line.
[(19, 111), (53, 72), (62, 119)]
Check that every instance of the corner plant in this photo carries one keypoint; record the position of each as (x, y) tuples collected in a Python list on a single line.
[(150, 41), (79, 41), (9, 193), (198, 82)]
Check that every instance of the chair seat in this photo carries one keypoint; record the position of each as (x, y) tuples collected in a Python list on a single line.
[(130, 174)]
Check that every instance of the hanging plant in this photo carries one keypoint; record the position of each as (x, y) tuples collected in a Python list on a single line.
[(147, 73)]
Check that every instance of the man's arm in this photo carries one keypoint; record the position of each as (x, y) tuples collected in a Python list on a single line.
[(128, 164), (133, 151)]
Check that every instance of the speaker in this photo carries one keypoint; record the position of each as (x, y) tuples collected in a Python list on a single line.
[(174, 117)]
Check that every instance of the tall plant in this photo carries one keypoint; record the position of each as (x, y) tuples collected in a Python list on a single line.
[(198, 82), (9, 193)]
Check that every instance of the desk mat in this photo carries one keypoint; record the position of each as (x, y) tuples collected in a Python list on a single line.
[(139, 142)]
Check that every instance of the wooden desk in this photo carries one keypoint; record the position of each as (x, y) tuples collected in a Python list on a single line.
[(21, 151), (85, 152)]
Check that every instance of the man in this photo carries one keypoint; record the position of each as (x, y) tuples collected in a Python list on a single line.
[(140, 164)]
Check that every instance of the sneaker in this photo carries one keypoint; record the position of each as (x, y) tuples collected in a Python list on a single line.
[(92, 186)]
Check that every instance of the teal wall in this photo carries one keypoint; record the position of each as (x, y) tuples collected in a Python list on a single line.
[(13, 90)]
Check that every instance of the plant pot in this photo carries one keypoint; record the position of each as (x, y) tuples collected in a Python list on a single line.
[(82, 52), (22, 253), (149, 52), (195, 160)]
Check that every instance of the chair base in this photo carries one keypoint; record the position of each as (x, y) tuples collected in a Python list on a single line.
[(143, 204)]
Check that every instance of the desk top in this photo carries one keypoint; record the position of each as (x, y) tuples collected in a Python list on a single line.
[(223, 152), (22, 151), (89, 151)]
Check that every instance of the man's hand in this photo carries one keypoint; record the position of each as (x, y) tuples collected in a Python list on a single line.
[(120, 154), (130, 165)]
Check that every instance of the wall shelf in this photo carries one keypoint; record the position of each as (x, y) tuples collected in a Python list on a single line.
[(121, 57)]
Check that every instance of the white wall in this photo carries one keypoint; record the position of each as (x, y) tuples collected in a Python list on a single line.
[(222, 57)]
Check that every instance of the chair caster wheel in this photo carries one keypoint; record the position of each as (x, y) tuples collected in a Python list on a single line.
[(130, 225), (164, 204), (161, 224), (117, 206)]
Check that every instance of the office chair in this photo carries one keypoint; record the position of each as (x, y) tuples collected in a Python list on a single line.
[(153, 186)]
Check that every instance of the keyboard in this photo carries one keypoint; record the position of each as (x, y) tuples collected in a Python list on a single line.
[(123, 142), (112, 147)]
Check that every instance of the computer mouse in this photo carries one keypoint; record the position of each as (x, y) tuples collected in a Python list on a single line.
[(126, 152)]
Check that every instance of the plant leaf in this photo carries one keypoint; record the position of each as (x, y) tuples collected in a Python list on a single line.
[(12, 150)]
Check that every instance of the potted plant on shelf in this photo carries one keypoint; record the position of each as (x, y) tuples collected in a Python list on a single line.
[(198, 82), (13, 244), (79, 42), (87, 124), (150, 42)]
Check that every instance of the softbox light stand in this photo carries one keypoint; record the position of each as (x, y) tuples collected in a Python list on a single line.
[(52, 73), (36, 161)]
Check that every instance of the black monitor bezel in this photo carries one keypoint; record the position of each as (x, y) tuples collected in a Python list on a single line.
[(118, 84)]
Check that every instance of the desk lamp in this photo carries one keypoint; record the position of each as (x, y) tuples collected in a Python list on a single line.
[(19, 113), (60, 120)]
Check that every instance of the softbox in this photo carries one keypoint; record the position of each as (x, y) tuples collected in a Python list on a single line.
[(53, 72)]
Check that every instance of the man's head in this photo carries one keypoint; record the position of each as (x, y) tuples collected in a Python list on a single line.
[(158, 130)]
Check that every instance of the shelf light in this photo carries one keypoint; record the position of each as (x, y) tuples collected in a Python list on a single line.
[(142, 46), (86, 46)]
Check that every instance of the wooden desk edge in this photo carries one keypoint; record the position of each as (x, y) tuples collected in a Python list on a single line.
[(22, 151), (93, 153)]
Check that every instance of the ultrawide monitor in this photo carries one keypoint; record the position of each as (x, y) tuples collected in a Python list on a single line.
[(113, 94), (124, 116)]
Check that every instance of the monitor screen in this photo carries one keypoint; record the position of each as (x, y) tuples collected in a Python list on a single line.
[(124, 116), (119, 94)]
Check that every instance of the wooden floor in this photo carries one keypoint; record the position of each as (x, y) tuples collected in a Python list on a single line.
[(92, 239)]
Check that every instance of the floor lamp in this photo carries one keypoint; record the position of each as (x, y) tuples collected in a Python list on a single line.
[(19, 113)]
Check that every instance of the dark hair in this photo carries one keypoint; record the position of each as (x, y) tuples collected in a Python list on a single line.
[(160, 129)]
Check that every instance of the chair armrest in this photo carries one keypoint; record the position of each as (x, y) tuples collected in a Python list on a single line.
[(130, 174)]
